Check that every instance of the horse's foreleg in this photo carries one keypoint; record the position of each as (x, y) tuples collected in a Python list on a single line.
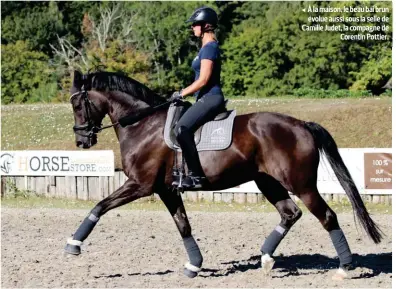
[(175, 205), (278, 196), (128, 192)]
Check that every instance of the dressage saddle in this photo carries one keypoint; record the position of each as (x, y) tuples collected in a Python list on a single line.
[(181, 108)]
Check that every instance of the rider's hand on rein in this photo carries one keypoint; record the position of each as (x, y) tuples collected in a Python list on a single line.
[(176, 96)]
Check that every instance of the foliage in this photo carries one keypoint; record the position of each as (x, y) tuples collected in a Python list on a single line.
[(168, 45), (44, 93), (265, 52), (14, 192), (106, 48), (116, 57), (119, 58), (269, 54), (39, 26), (39, 22), (375, 71), (23, 71)]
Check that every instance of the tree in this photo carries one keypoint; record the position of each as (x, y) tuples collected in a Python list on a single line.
[(105, 48), (375, 72), (269, 53), (255, 54), (39, 22), (159, 30), (38, 26), (22, 72)]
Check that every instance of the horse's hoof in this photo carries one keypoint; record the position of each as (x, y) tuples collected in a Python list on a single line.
[(190, 274), (190, 270), (73, 249), (267, 263), (340, 275)]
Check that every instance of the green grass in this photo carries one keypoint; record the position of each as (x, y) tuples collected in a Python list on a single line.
[(155, 205), (353, 122)]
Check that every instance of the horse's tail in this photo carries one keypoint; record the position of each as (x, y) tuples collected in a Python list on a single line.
[(327, 146)]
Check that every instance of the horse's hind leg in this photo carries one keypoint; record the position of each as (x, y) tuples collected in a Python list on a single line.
[(321, 210), (128, 192), (288, 210), (175, 205)]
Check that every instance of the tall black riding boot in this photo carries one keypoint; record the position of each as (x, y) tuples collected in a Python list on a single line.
[(196, 177)]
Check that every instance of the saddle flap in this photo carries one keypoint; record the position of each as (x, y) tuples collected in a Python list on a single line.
[(175, 112), (217, 134), (213, 135)]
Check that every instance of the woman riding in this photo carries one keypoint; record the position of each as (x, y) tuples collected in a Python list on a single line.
[(206, 88)]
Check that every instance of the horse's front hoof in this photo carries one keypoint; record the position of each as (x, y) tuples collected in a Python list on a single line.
[(73, 247), (340, 275), (190, 274), (190, 270), (267, 263)]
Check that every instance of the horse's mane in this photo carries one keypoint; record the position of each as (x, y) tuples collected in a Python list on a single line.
[(112, 81)]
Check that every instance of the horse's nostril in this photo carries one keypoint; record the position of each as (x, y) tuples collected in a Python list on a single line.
[(79, 144)]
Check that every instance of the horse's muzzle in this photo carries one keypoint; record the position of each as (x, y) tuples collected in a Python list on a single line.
[(86, 143)]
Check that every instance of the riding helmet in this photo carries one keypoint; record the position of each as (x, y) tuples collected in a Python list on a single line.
[(204, 14)]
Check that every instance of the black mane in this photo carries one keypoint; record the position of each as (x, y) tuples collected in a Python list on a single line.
[(112, 81)]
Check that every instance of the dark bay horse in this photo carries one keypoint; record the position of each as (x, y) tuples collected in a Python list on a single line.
[(280, 153)]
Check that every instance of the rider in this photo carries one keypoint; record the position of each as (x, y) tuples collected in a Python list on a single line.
[(206, 89)]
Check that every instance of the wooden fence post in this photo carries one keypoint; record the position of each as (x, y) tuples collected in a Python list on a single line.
[(3, 186), (251, 198), (240, 198), (227, 197)]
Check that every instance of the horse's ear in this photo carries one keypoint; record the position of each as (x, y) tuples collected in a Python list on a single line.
[(77, 75), (77, 79)]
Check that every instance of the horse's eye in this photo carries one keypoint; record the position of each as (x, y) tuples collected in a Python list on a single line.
[(77, 107)]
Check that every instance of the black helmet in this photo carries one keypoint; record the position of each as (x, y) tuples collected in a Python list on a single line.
[(204, 14)]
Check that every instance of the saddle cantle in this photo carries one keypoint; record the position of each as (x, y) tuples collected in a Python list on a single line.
[(213, 135)]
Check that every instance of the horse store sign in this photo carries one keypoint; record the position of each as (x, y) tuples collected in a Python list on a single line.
[(57, 163), (370, 168)]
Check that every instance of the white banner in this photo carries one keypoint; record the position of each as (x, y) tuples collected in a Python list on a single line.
[(57, 163), (370, 168)]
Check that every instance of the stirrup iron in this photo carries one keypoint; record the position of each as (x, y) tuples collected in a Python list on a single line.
[(178, 174)]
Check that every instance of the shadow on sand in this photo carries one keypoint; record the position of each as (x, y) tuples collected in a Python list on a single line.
[(135, 274), (377, 263)]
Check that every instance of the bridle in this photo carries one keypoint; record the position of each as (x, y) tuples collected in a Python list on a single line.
[(88, 129)]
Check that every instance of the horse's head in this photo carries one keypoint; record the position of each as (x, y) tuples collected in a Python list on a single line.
[(89, 108)]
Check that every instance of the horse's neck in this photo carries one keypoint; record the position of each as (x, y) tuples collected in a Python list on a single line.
[(120, 107)]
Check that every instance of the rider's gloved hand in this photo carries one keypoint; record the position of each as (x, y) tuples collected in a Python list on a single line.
[(176, 96)]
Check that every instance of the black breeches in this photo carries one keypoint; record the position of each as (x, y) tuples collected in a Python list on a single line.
[(204, 110)]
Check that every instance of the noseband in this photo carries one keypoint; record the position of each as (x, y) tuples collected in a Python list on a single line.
[(88, 129)]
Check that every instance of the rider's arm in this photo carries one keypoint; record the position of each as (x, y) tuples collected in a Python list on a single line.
[(204, 75)]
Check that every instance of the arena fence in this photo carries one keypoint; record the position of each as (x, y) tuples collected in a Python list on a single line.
[(97, 188)]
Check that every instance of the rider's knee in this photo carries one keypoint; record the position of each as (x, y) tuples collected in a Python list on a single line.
[(181, 131)]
